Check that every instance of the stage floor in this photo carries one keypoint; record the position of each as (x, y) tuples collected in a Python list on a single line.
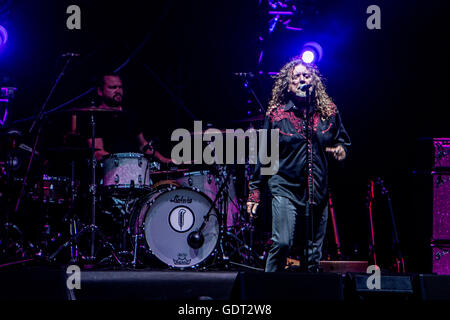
[(50, 282)]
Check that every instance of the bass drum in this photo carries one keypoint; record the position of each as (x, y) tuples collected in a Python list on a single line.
[(166, 217)]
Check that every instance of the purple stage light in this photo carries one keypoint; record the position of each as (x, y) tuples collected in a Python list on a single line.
[(5, 115), (272, 23), (294, 28), (3, 36), (284, 13)]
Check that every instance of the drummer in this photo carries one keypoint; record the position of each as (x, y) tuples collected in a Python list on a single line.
[(116, 130)]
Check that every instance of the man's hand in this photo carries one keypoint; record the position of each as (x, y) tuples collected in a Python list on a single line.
[(337, 152), (251, 209), (99, 154)]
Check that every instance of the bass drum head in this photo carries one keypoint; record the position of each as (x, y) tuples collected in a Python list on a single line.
[(170, 217)]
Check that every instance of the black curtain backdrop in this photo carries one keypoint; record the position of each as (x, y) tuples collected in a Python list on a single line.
[(391, 85)]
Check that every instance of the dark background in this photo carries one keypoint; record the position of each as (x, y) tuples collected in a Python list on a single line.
[(390, 85)]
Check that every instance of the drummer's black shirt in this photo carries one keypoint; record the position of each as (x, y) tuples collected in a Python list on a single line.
[(119, 130)]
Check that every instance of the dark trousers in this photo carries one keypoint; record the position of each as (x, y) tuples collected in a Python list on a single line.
[(288, 223)]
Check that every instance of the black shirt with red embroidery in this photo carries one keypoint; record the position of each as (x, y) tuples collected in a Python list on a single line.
[(303, 162)]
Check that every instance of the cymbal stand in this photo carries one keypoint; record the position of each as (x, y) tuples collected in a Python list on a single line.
[(92, 227), (38, 121), (70, 217), (7, 227), (224, 175)]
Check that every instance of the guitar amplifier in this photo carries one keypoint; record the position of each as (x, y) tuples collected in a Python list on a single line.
[(441, 207), (441, 152)]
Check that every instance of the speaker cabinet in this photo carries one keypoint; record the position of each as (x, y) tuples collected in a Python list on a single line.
[(286, 286)]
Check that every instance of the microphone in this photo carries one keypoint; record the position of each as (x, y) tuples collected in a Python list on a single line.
[(70, 54), (195, 239), (305, 87)]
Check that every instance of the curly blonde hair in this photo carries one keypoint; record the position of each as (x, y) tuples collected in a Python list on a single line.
[(322, 102)]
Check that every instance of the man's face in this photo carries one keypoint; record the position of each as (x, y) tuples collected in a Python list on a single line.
[(112, 91), (300, 76)]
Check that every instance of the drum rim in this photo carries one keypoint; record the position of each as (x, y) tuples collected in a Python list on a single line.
[(124, 155), (141, 229)]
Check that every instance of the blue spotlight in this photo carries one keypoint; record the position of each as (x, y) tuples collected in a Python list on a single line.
[(3, 36), (311, 52)]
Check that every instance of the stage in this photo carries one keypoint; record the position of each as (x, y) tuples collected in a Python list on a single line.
[(59, 283)]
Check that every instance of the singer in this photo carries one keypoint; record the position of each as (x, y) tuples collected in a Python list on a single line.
[(311, 133)]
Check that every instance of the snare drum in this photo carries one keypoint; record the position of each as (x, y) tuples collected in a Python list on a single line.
[(166, 217), (124, 172)]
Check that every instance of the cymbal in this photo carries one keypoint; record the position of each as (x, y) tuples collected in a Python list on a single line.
[(71, 149), (73, 152), (94, 109), (10, 132), (259, 117)]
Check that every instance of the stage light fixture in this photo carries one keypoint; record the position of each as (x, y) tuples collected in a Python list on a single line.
[(308, 56), (311, 52), (3, 36)]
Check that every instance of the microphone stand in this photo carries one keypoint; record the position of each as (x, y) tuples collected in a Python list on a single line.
[(308, 228), (195, 239), (38, 121)]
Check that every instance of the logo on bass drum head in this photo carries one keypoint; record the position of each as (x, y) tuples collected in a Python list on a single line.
[(181, 219)]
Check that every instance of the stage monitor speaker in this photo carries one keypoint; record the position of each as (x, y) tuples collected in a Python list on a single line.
[(434, 287), (155, 285), (392, 287), (288, 286), (34, 283)]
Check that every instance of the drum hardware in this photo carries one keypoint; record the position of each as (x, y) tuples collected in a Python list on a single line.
[(70, 217), (51, 190), (207, 181), (168, 171), (12, 244), (91, 109), (92, 228), (196, 238), (39, 122)]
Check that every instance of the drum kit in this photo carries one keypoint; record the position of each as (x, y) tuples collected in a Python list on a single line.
[(139, 214)]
